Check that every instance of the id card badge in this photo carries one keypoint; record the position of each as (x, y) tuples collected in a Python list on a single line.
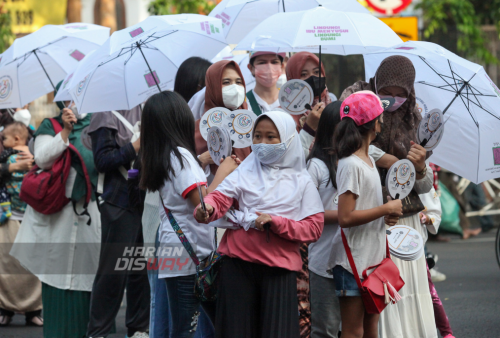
[(200, 192)]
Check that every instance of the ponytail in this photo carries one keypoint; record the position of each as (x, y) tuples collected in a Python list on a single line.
[(348, 136)]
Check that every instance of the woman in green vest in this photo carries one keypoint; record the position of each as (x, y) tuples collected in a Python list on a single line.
[(66, 253)]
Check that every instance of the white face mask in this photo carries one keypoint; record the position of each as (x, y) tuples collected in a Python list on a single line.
[(233, 96), (281, 81), (270, 153)]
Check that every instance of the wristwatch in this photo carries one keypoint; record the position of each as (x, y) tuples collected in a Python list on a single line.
[(423, 172)]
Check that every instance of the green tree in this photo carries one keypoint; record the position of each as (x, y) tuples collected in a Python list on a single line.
[(164, 7), (6, 35), (441, 15)]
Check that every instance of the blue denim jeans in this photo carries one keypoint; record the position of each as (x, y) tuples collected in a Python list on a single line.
[(345, 283), (160, 320), (185, 309)]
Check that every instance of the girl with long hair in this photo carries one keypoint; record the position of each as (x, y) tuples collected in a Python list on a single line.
[(322, 166), (170, 166)]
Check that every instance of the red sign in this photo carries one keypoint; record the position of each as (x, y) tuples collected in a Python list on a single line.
[(388, 7)]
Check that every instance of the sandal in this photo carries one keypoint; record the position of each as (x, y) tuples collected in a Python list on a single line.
[(5, 320), (34, 321)]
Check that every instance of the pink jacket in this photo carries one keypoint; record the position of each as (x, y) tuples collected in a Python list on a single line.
[(285, 236)]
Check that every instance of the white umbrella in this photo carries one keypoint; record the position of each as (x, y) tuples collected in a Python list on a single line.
[(63, 92), (341, 33), (139, 61), (469, 99), (241, 16), (320, 30), (35, 63)]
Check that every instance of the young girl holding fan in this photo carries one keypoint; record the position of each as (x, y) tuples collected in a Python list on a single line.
[(170, 166), (257, 293), (360, 210)]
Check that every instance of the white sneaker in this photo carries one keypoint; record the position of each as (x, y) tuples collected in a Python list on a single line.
[(139, 335), (437, 276)]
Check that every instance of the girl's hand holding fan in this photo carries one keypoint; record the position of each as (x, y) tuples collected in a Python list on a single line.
[(394, 209)]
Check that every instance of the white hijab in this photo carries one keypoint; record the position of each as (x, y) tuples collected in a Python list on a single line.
[(283, 188)]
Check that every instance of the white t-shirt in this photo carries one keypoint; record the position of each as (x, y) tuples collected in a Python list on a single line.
[(368, 241), (319, 252), (174, 194), (264, 106), (376, 153)]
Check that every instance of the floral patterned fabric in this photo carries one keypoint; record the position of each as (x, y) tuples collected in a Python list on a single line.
[(13, 186)]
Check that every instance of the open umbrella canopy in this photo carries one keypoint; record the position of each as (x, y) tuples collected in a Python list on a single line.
[(341, 33), (139, 61), (63, 92), (469, 99), (241, 16), (35, 63)]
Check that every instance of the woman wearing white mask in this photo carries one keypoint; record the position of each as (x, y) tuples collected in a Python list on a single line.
[(267, 68), (225, 87), (257, 287)]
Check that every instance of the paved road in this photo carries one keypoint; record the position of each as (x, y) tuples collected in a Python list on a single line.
[(471, 293)]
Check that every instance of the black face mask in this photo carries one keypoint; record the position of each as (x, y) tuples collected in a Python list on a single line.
[(315, 84)]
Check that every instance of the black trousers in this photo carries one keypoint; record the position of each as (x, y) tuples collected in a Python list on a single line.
[(121, 228), (256, 301)]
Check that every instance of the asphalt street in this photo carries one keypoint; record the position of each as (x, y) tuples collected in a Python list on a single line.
[(470, 294)]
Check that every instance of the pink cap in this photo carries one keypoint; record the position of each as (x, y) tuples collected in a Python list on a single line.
[(255, 54), (362, 107)]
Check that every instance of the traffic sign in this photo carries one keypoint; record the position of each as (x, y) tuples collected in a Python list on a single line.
[(406, 27), (388, 7)]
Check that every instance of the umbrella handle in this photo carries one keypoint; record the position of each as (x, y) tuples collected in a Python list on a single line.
[(267, 226), (320, 71)]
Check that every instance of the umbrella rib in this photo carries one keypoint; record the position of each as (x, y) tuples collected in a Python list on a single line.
[(26, 56), (467, 97), (428, 84), (132, 52), (46, 45), (149, 47), (441, 76), (479, 106), (479, 93), (121, 53), (133, 48), (457, 83), (468, 110)]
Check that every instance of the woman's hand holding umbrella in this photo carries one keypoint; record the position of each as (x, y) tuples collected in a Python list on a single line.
[(314, 115), (69, 119), (262, 220)]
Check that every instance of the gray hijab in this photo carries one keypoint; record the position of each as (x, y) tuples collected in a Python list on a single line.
[(109, 120)]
